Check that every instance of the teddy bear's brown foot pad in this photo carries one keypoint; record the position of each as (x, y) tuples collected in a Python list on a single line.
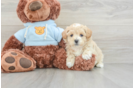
[(16, 61), (9, 59), (25, 63)]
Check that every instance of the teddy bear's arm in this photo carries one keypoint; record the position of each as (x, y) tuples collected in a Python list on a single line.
[(15, 41), (58, 37), (62, 44), (12, 43)]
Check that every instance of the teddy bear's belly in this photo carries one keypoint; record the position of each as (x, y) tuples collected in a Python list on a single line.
[(32, 50)]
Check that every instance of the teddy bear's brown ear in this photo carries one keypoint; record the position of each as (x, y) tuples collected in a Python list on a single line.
[(54, 9), (20, 11)]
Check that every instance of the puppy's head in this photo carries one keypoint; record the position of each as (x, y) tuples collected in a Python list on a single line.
[(76, 35)]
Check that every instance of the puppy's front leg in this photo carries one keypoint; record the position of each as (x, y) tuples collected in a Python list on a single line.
[(70, 60), (87, 54)]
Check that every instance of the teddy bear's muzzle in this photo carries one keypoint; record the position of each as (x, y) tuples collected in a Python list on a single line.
[(37, 10), (35, 5)]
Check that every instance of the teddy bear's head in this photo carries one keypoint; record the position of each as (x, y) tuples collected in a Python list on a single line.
[(38, 10)]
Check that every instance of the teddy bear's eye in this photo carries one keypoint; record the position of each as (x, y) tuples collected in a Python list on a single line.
[(81, 35), (71, 35)]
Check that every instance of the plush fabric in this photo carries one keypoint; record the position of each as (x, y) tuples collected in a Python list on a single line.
[(54, 10), (39, 14), (80, 64), (43, 55), (62, 44), (35, 5), (12, 43), (51, 34), (16, 55)]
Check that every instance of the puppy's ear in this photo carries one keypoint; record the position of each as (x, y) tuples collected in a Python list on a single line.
[(88, 32), (64, 33)]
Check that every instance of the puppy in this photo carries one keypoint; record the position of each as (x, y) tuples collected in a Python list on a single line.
[(79, 41)]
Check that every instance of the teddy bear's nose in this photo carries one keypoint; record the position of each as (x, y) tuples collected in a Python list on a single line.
[(35, 5)]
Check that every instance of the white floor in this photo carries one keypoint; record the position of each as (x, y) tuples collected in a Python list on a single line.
[(111, 76)]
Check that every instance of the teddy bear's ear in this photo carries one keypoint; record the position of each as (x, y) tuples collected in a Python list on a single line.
[(54, 9)]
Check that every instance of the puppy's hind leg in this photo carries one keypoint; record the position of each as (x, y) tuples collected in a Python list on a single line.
[(100, 61)]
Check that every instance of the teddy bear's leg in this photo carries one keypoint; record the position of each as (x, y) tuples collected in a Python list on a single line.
[(80, 63), (44, 60), (43, 55), (15, 60), (60, 59)]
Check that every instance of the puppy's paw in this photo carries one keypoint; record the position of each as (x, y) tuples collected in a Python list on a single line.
[(70, 63), (87, 55), (100, 65)]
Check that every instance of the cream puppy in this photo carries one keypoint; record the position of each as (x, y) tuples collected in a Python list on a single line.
[(79, 41)]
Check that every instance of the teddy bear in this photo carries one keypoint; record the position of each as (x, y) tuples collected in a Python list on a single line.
[(40, 43)]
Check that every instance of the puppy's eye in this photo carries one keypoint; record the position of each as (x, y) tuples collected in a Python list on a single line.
[(71, 35), (81, 35)]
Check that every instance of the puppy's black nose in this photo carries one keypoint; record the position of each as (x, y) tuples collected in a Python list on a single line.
[(76, 41)]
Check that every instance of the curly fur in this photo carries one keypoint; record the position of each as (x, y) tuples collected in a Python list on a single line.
[(43, 55), (85, 45), (49, 56), (80, 64), (54, 10), (62, 44), (12, 43)]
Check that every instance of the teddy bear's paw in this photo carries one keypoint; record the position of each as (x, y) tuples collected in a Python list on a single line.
[(70, 62), (13, 61), (87, 55)]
